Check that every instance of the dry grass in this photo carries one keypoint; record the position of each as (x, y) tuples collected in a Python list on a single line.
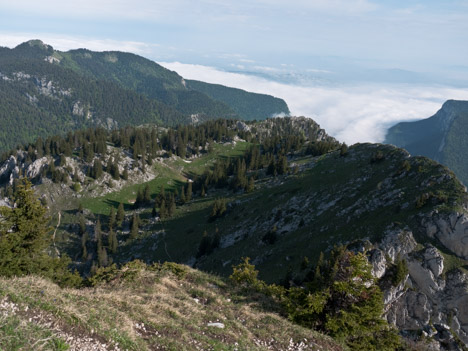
[(157, 310)]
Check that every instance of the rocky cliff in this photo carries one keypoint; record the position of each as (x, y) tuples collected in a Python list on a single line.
[(442, 137)]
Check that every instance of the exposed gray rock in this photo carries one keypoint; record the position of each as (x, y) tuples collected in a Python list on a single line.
[(52, 59), (216, 325), (8, 166), (451, 230), (35, 168), (398, 242), (242, 126), (426, 298), (379, 263)]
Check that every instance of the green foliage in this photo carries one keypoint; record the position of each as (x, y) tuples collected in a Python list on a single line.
[(120, 214), (219, 208), (208, 244), (377, 157), (246, 275), (76, 187), (134, 226), (318, 148), (24, 238), (400, 271), (347, 304), (343, 150), (247, 105)]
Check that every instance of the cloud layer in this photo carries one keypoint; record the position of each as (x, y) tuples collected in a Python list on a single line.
[(351, 113)]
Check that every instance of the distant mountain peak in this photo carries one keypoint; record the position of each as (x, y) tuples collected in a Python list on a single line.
[(37, 43)]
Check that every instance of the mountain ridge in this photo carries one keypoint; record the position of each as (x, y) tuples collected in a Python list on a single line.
[(440, 137), (48, 92)]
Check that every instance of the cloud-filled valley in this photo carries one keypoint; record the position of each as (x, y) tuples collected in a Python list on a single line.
[(359, 112)]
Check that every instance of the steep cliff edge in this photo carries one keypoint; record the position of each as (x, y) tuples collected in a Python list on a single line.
[(442, 137)]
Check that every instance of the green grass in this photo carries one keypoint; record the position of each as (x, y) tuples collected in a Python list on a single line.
[(113, 313), (172, 175), (167, 177), (18, 334)]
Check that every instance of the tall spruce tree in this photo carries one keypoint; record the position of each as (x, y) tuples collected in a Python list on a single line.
[(24, 238), (120, 214)]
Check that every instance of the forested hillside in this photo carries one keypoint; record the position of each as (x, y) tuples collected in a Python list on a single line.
[(46, 92), (249, 105)]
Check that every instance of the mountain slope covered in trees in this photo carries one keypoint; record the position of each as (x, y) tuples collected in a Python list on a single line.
[(45, 92)]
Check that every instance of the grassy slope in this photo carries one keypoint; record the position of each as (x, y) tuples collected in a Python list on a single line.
[(329, 199), (172, 174), (145, 310)]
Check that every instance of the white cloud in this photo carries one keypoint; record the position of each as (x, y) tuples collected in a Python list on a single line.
[(351, 113)]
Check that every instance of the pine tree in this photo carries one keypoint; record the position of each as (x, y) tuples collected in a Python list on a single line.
[(160, 197), (96, 171), (162, 210), (135, 226), (98, 231), (103, 259), (203, 192), (125, 174), (172, 206), (147, 194), (343, 149), (188, 196), (112, 218), (182, 195), (120, 214), (24, 237), (139, 198), (113, 242), (84, 242)]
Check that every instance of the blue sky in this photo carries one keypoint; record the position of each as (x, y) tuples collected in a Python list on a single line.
[(355, 66)]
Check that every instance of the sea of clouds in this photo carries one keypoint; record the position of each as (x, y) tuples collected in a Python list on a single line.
[(358, 112)]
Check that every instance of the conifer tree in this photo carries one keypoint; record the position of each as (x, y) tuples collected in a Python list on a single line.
[(172, 206), (103, 259), (188, 196), (98, 231), (147, 194), (24, 237), (113, 243), (162, 210), (182, 195), (203, 192), (84, 242), (125, 174), (120, 214), (139, 198), (96, 171), (82, 226), (135, 226), (112, 218)]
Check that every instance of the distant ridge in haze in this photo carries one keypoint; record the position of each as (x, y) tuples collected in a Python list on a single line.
[(442, 137)]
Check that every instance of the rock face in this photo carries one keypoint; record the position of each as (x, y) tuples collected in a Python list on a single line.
[(35, 168), (451, 230), (428, 299)]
